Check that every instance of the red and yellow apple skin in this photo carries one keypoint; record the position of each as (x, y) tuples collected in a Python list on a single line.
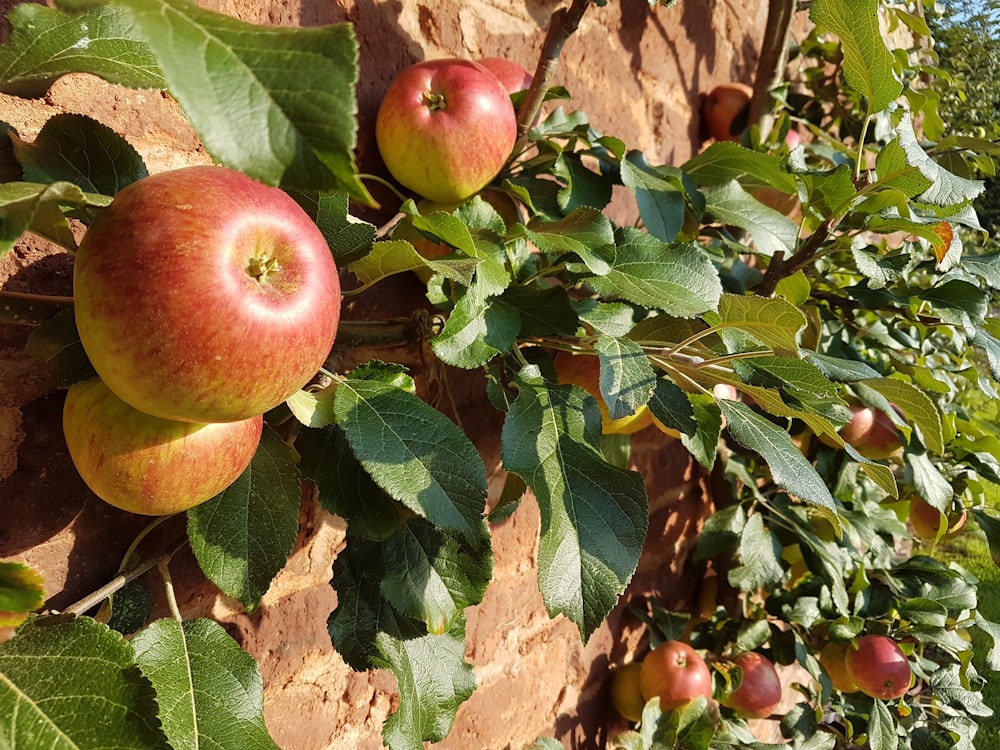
[(878, 666), (202, 295), (514, 76), (144, 464), (721, 107), (759, 693), (585, 371), (445, 128)]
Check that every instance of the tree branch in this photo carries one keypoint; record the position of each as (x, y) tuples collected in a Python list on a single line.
[(771, 64), (27, 309), (563, 23)]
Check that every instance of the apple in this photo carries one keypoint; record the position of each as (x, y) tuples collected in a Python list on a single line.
[(626, 695), (721, 108), (514, 76), (871, 433), (676, 673), (833, 657), (445, 128), (879, 667), (585, 371), (759, 692), (793, 139), (928, 522), (202, 295), (145, 464)]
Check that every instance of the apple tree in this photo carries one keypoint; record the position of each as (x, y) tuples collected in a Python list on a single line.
[(751, 335)]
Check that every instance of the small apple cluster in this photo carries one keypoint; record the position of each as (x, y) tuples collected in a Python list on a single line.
[(676, 674), (203, 299), (446, 128)]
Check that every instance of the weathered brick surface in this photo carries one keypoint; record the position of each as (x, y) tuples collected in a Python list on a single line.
[(639, 75)]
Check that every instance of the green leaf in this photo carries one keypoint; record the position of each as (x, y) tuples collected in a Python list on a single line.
[(947, 189), (670, 405), (958, 302), (46, 44), (677, 279), (724, 161), (760, 555), (56, 343), (82, 151), (432, 575), (705, 442), (584, 187), (431, 673), (69, 682), (583, 232), (209, 690), (349, 238), (840, 370), (772, 231), (275, 103), (916, 406), (772, 321), (659, 192), (478, 329), (312, 409), (30, 206), (345, 488), (21, 591), (243, 537), (544, 312), (992, 630), (868, 64), (594, 514), (789, 467), (414, 453), (930, 483), (881, 727), (626, 378), (893, 171), (396, 256)]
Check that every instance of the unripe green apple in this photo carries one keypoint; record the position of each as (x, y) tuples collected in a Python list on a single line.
[(202, 295), (445, 128), (145, 464)]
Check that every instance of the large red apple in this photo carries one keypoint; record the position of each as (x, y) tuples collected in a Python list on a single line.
[(445, 128), (759, 693), (879, 667), (514, 76), (675, 673), (149, 465), (202, 295)]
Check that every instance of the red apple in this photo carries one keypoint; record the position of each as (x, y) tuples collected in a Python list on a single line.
[(205, 296), (759, 692), (676, 673), (722, 106), (144, 464), (872, 433), (514, 76), (879, 667), (445, 128), (793, 139)]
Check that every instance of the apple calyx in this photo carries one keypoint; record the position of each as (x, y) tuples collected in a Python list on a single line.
[(259, 269)]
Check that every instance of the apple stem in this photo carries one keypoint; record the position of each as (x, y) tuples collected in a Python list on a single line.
[(168, 586), (563, 23), (434, 102), (28, 309)]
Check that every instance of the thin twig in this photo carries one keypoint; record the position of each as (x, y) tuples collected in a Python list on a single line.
[(25, 308)]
